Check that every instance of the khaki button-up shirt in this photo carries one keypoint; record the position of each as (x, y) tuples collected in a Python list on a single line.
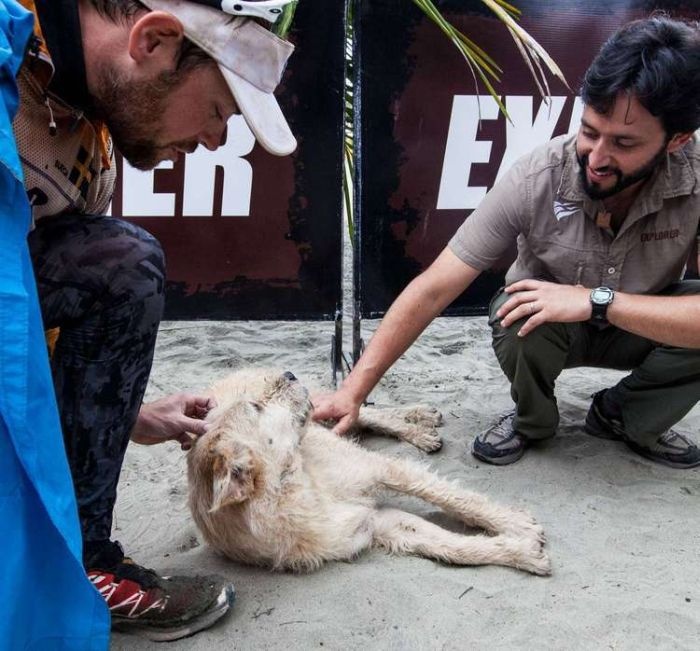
[(541, 203)]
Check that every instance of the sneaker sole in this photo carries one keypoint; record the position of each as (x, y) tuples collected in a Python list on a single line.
[(505, 460), (643, 452), (168, 634)]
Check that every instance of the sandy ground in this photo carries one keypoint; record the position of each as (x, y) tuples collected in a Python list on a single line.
[(623, 533)]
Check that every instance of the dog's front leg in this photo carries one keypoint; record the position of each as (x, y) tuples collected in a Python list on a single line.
[(415, 425)]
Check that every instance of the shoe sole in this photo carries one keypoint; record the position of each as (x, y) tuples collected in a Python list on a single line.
[(643, 452), (505, 460), (156, 634)]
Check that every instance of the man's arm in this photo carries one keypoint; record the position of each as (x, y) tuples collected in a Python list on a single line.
[(670, 320), (422, 300)]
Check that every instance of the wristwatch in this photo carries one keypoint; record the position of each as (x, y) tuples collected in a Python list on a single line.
[(601, 297)]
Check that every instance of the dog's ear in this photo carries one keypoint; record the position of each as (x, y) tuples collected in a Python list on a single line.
[(233, 478)]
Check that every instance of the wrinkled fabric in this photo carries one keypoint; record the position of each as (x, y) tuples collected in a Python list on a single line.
[(47, 599), (101, 280)]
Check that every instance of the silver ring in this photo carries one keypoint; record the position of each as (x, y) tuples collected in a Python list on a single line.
[(532, 307)]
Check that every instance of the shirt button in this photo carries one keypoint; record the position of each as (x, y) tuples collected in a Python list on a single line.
[(611, 270)]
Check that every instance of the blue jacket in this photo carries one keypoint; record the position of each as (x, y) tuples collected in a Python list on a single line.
[(47, 600)]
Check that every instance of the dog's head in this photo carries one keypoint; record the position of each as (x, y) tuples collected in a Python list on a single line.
[(258, 423)]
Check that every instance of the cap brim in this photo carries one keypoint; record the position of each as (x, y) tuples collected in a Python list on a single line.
[(262, 113)]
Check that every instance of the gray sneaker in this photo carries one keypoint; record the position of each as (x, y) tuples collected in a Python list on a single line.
[(500, 444), (671, 448)]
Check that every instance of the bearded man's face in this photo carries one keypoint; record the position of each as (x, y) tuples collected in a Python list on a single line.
[(619, 149), (151, 121)]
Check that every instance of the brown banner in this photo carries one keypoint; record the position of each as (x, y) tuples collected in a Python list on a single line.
[(431, 146)]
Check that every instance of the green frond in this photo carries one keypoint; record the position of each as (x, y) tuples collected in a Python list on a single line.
[(511, 9), (283, 24), (481, 64)]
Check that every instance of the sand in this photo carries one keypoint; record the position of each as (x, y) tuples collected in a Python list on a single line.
[(622, 532)]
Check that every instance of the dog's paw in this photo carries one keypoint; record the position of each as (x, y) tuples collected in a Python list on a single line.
[(521, 524), (528, 555), (424, 438), (423, 415), (525, 554)]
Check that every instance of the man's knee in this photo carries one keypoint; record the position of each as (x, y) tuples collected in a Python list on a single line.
[(129, 264), (543, 340), (136, 262), (545, 334), (548, 345), (85, 263), (96, 245)]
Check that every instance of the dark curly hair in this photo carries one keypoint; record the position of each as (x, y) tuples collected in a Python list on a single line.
[(190, 55), (657, 60)]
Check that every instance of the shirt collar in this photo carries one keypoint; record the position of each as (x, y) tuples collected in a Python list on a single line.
[(674, 178), (60, 25)]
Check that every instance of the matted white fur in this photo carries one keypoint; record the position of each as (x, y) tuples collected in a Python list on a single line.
[(270, 487)]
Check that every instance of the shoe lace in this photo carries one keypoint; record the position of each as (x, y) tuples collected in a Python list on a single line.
[(672, 436), (131, 571), (110, 558), (504, 427)]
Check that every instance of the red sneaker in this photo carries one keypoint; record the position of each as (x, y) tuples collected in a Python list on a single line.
[(159, 608)]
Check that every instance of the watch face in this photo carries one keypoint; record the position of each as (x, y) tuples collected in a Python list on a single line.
[(601, 295)]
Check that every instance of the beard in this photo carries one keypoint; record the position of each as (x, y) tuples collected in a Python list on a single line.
[(131, 110), (622, 181)]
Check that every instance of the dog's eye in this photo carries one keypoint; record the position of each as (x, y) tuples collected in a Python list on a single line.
[(257, 406)]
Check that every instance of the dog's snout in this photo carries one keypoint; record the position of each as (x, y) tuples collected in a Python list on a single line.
[(288, 375)]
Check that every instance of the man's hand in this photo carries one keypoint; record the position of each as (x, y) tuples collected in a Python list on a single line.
[(544, 302), (173, 418), (340, 406)]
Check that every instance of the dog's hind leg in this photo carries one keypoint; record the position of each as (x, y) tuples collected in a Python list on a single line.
[(415, 425), (404, 533), (471, 508)]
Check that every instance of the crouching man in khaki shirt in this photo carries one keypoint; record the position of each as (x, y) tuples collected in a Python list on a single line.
[(605, 222)]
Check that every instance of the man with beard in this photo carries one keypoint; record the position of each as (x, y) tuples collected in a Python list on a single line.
[(157, 78), (605, 222)]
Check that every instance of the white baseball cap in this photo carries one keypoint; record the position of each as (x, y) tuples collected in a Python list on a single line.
[(250, 57)]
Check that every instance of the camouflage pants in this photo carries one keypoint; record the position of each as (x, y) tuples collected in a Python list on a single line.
[(100, 280)]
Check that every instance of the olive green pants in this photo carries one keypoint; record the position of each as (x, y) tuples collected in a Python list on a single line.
[(662, 388)]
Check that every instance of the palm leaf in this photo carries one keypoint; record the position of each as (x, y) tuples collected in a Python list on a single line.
[(532, 52), (283, 24), (481, 66)]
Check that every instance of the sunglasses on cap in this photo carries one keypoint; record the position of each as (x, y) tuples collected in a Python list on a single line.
[(269, 10)]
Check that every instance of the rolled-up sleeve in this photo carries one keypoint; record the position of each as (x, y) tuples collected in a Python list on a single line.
[(494, 226)]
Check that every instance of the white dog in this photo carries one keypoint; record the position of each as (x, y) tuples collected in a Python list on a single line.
[(268, 486)]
